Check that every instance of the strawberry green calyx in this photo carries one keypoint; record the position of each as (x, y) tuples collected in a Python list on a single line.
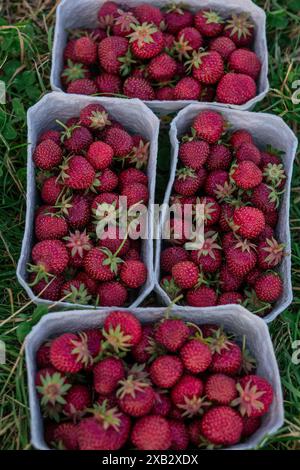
[(130, 386), (184, 173), (112, 260), (189, 138), (193, 406), (99, 120), (78, 242), (67, 134), (182, 48), (52, 389), (218, 341), (196, 59), (248, 361), (117, 340), (139, 155), (274, 174), (274, 251), (143, 34), (40, 274), (176, 8), (240, 25), (249, 399), (212, 17), (127, 60), (254, 304), (224, 192), (109, 417), (74, 71), (170, 287), (210, 245), (138, 372), (125, 20), (81, 350), (77, 295)]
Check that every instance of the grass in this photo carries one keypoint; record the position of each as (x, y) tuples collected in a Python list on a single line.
[(26, 30)]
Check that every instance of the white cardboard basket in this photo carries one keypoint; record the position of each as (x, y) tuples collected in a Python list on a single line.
[(235, 319), (73, 14), (137, 118), (266, 129)]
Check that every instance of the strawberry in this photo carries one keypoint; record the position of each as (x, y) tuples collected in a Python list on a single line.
[(165, 93), (222, 425), (194, 432), (180, 438), (74, 71), (239, 137), (120, 141), (75, 137), (140, 152), (135, 87), (133, 274), (151, 433), (101, 264), (220, 389), (122, 23), (94, 116), (165, 371), (112, 294), (250, 152), (209, 23), (202, 296), (132, 175), (230, 298), (136, 398), (136, 193), (229, 239), (105, 181), (212, 210), (235, 88), (107, 14), (209, 126), (187, 396), (177, 18), (245, 61), (223, 45), (148, 14), (162, 68), (105, 202), (77, 173), (50, 257), (75, 291), (85, 50), (50, 227), (49, 290), (65, 436), (194, 154), (241, 258), (51, 190), (108, 84), (229, 281), (107, 374), (113, 54), (78, 214), (77, 400), (171, 333), (270, 156), (171, 256), (185, 274), (69, 352), (270, 253), (240, 29), (207, 67), (255, 396), (271, 218), (187, 181), (47, 155), (249, 221), (187, 89), (69, 51), (246, 175), (43, 355), (122, 330), (82, 86), (50, 135), (188, 39), (274, 175), (269, 287), (196, 356), (219, 158), (146, 41), (208, 257), (250, 425), (162, 404), (112, 239), (100, 155), (227, 359), (141, 351), (216, 183), (252, 276)]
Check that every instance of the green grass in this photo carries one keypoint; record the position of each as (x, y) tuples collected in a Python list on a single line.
[(25, 44)]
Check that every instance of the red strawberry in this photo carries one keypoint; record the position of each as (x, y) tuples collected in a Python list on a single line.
[(209, 23), (162, 68), (142, 350), (171, 256), (105, 181), (180, 438), (85, 50), (162, 404), (222, 425), (69, 51), (50, 227), (194, 432), (239, 137), (82, 86), (185, 274), (78, 215), (122, 23), (78, 173), (187, 89), (120, 141), (165, 93), (132, 175), (229, 239), (245, 61), (50, 135), (219, 158), (50, 289), (270, 253), (188, 39), (51, 190), (235, 88), (269, 287), (196, 356), (177, 18), (122, 330), (69, 352), (223, 45), (101, 264), (151, 433), (250, 425), (50, 257), (107, 14), (107, 374), (76, 138), (111, 52), (47, 155), (250, 222), (65, 436), (255, 396), (220, 389), (209, 125), (136, 193), (94, 116), (272, 218), (148, 14), (171, 333), (187, 182), (247, 151), (133, 274), (135, 87), (77, 400), (202, 296), (112, 294), (246, 175), (136, 398), (43, 355), (166, 370), (252, 276), (112, 239), (241, 258), (265, 198), (229, 281), (207, 67), (109, 84), (194, 154), (240, 29), (227, 359), (230, 298), (146, 41), (216, 183), (187, 396), (100, 155)]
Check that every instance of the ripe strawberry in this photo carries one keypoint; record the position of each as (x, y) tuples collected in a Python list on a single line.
[(78, 215), (194, 154), (269, 287), (136, 193), (229, 281), (51, 190), (135, 87), (69, 51), (222, 425), (101, 264), (151, 433), (76, 138), (43, 356), (255, 396), (246, 175), (120, 141), (250, 425), (146, 41), (177, 18), (250, 152), (166, 370), (85, 50), (207, 67), (171, 333), (47, 289), (122, 330), (112, 239), (162, 68), (196, 356), (187, 396), (239, 137), (220, 389), (69, 352), (111, 52), (108, 429), (112, 294), (194, 432), (245, 61), (100, 155), (235, 88), (105, 181), (50, 135), (209, 126), (132, 175), (230, 298), (265, 198), (241, 258), (94, 116), (50, 257), (219, 158), (202, 296), (77, 400), (82, 86), (148, 14), (216, 183), (272, 218), (50, 227), (185, 274), (136, 398), (270, 253), (249, 221), (65, 436), (187, 89), (165, 93), (188, 39), (223, 45), (187, 182), (133, 274), (107, 13), (141, 352), (227, 359), (122, 23), (162, 404), (179, 433), (171, 256), (107, 374), (77, 173), (229, 239), (240, 29), (209, 23), (47, 155), (108, 84)]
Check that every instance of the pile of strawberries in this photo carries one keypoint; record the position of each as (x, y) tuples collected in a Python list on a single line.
[(170, 54), (240, 187), (168, 385), (82, 172)]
